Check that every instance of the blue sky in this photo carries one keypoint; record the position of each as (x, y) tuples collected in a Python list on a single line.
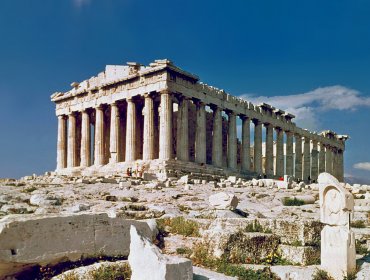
[(315, 52)]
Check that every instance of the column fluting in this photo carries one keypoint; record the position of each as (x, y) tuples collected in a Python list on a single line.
[(62, 143), (165, 126)]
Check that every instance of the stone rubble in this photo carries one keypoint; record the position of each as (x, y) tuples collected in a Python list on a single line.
[(258, 201)]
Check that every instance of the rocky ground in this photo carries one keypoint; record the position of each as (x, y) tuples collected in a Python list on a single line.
[(279, 219)]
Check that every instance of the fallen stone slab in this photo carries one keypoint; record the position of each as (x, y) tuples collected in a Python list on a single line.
[(148, 263), (29, 240), (223, 200), (304, 255), (288, 272)]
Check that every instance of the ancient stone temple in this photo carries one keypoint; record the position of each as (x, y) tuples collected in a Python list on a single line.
[(160, 118)]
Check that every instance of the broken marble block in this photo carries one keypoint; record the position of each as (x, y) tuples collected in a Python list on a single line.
[(148, 263), (338, 253), (223, 200)]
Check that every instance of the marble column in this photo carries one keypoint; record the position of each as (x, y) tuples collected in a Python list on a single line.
[(200, 133), (232, 142), (269, 159), (183, 130), (298, 157), (289, 154), (246, 144), (279, 152), (148, 145), (306, 159), (217, 137), (340, 166), (314, 161), (329, 160), (165, 126), (322, 158), (257, 146), (131, 131), (99, 136), (114, 147), (85, 140), (335, 163), (72, 143), (62, 143)]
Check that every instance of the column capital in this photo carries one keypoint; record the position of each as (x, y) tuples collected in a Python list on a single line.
[(62, 117), (256, 121), (267, 124), (83, 110), (114, 104), (278, 128), (99, 107), (244, 117), (198, 102), (230, 112), (215, 107), (148, 95), (165, 91), (72, 114)]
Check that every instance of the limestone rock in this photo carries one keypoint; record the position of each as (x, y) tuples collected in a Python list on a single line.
[(184, 179), (148, 263), (29, 240), (223, 200), (232, 179), (308, 199)]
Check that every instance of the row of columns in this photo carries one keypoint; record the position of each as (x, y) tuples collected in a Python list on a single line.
[(303, 163)]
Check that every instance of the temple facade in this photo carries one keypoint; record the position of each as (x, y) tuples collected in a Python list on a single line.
[(160, 117)]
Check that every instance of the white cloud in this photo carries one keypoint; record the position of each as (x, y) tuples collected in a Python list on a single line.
[(307, 106), (81, 3), (362, 166)]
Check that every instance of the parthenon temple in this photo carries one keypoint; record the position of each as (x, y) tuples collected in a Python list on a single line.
[(160, 117)]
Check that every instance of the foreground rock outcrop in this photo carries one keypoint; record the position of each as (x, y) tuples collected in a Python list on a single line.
[(29, 240), (148, 263)]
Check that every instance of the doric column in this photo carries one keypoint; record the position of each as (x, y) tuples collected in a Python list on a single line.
[(99, 136), (298, 157), (329, 160), (340, 165), (289, 154), (306, 159), (322, 158), (217, 137), (148, 145), (183, 130), (314, 161), (232, 141), (200, 133), (279, 152), (72, 142), (85, 140), (257, 146), (335, 163), (131, 131), (165, 126), (62, 143), (269, 159), (114, 147), (246, 144)]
